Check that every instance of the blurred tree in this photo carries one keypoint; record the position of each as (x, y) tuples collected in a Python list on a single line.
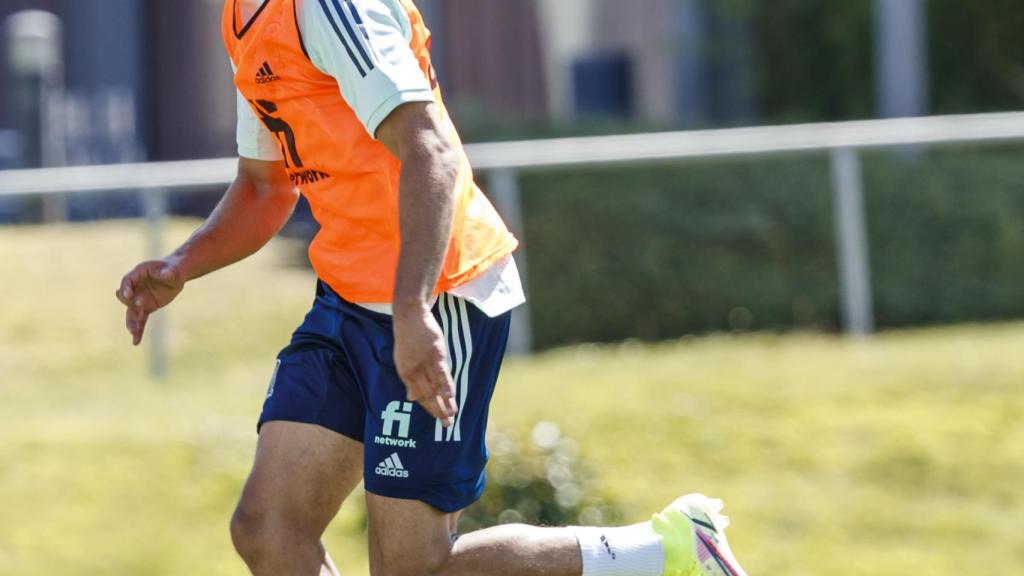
[(977, 56), (814, 60), (541, 482)]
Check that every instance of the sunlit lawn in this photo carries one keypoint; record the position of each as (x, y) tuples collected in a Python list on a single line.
[(899, 455)]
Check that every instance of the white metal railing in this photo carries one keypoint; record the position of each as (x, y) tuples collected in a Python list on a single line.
[(534, 154), (502, 162)]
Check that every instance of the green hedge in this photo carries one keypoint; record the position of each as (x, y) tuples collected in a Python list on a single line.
[(663, 251), (947, 237)]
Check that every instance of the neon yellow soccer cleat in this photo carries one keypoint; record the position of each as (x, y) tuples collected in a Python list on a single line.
[(692, 531)]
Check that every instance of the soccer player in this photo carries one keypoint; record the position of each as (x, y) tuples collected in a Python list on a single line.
[(389, 377)]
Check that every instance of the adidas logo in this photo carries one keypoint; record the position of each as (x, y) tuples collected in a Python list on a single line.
[(266, 75), (392, 467)]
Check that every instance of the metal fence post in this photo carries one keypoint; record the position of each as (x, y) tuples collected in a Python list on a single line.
[(503, 189), (901, 57), (155, 206), (852, 244)]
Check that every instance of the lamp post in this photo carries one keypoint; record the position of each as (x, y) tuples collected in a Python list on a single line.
[(36, 65)]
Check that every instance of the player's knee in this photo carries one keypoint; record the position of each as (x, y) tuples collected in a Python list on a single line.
[(256, 533), (248, 531)]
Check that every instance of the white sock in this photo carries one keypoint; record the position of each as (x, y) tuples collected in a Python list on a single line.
[(627, 551)]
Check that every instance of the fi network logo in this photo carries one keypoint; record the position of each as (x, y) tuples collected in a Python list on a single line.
[(399, 413)]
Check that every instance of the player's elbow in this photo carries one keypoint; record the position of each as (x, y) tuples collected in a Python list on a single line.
[(424, 138), (444, 157), (415, 133), (431, 158)]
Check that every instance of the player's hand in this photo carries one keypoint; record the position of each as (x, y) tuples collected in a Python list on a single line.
[(421, 360), (147, 288)]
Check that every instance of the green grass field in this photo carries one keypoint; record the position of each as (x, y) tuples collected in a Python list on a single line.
[(899, 455)]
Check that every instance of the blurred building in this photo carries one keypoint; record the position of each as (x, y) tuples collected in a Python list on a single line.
[(150, 80), (144, 80), (488, 56), (105, 72), (678, 62)]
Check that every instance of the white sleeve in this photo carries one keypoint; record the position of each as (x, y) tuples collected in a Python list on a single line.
[(254, 140), (364, 45)]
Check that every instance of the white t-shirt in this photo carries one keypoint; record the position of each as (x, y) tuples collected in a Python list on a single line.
[(365, 47)]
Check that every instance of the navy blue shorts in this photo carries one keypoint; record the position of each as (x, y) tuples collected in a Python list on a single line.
[(338, 372)]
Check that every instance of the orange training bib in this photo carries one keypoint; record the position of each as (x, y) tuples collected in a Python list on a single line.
[(350, 179)]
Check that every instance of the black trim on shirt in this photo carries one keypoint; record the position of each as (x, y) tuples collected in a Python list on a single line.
[(252, 20), (341, 37), (298, 29)]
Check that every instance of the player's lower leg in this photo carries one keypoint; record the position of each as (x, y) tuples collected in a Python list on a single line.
[(686, 539)]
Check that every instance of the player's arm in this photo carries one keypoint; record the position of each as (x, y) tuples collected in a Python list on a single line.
[(365, 46), (255, 207), (414, 134)]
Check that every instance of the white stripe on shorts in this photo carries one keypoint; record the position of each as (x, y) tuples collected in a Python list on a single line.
[(455, 326)]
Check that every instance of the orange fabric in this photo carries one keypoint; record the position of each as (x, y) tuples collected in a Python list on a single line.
[(350, 179)]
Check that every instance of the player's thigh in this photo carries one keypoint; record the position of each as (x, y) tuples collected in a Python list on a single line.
[(406, 536), (301, 475)]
